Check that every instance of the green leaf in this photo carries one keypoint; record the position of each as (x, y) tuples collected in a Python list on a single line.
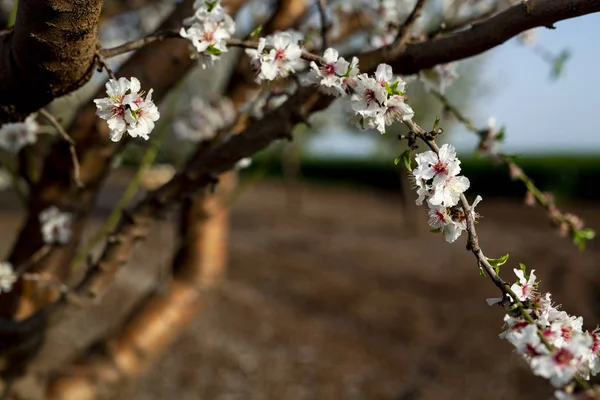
[(482, 272), (559, 64), (497, 262), (213, 50), (257, 31), (436, 230), (580, 237), (436, 124), (210, 5), (500, 135), (406, 158), (524, 269)]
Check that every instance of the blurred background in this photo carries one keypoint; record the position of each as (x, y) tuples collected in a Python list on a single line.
[(335, 287)]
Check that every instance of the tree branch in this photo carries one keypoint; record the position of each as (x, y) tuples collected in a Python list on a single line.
[(207, 164), (49, 53), (484, 35), (160, 317)]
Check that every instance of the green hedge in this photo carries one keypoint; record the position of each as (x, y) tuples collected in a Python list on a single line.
[(567, 176)]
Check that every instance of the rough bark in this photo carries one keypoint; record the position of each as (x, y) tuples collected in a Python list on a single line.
[(279, 123), (49, 53), (213, 161), (486, 34), (158, 66), (159, 318)]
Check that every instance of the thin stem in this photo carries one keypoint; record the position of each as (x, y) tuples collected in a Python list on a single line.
[(404, 32), (139, 43), (473, 246), (321, 5), (12, 17), (61, 131), (63, 289), (556, 216), (101, 58), (34, 259)]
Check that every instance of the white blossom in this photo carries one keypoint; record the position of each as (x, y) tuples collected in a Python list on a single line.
[(447, 193), (490, 138), (528, 38), (527, 341), (243, 163), (259, 106), (16, 135), (5, 179), (439, 78), (204, 119), (56, 225), (330, 75), (571, 352), (7, 276), (423, 190), (438, 167), (561, 365), (282, 58), (441, 219), (125, 109), (369, 96), (208, 31), (397, 110), (140, 115), (526, 287)]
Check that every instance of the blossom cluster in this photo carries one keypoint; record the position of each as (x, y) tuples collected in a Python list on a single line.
[(385, 15), (204, 119), (16, 135), (276, 56), (439, 78), (208, 30), (437, 181), (335, 75), (374, 101), (7, 276), (55, 226), (572, 351), (126, 109), (490, 138)]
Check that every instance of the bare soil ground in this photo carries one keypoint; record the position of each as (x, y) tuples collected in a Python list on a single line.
[(337, 298)]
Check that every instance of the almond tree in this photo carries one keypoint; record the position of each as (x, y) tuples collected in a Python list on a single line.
[(291, 67)]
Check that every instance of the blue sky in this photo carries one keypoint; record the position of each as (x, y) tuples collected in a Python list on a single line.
[(540, 115), (543, 115)]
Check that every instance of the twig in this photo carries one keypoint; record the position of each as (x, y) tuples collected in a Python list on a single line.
[(321, 5), (104, 65), (473, 247), (36, 277), (76, 169), (449, 27), (559, 218), (34, 259), (404, 32), (139, 43)]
